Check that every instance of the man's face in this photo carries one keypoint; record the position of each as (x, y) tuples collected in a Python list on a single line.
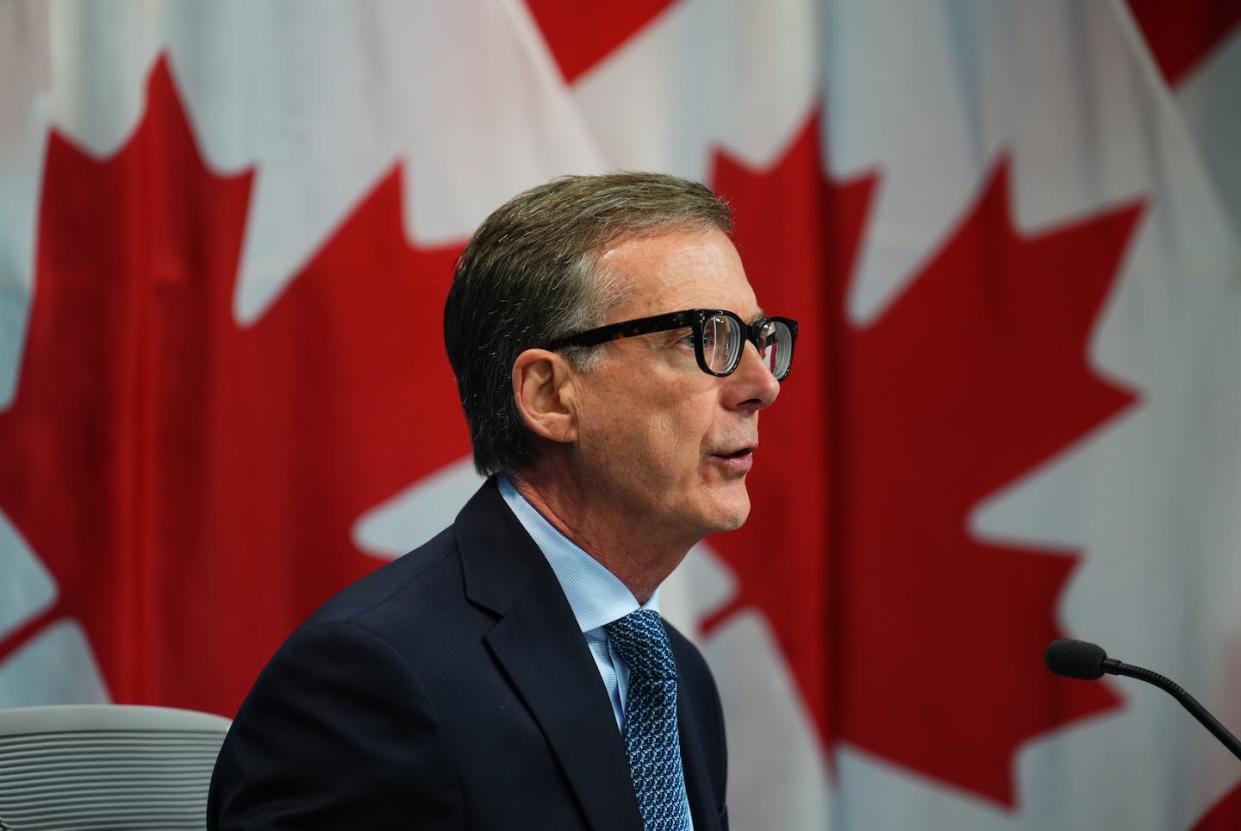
[(669, 444)]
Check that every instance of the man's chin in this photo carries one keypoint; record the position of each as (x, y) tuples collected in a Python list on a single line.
[(732, 512), (733, 523)]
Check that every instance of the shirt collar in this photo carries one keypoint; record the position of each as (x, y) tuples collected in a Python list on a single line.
[(596, 595)]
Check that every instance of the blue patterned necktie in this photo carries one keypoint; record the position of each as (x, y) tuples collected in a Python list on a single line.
[(651, 720)]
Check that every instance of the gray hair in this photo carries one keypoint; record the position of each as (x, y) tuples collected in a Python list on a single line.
[(529, 276)]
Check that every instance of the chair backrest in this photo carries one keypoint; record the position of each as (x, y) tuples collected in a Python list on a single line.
[(74, 768)]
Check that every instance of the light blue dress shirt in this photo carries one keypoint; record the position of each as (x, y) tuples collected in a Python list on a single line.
[(596, 596)]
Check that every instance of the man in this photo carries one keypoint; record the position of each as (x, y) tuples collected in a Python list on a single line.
[(514, 672)]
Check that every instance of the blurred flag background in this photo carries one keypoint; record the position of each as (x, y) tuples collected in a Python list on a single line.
[(1010, 232)]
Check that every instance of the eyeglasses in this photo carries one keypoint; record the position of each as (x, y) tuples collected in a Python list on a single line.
[(719, 337)]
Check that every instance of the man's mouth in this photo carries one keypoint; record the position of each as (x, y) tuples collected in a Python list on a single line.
[(738, 461)]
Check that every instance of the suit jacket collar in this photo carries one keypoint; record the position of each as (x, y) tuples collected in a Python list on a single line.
[(539, 646), (697, 779), (538, 643)]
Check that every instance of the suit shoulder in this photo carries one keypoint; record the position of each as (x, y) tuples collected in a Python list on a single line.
[(426, 565)]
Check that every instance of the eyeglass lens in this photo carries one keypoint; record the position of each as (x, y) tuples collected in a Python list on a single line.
[(778, 340), (722, 344)]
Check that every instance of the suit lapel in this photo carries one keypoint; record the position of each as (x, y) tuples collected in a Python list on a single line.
[(539, 645), (544, 656), (694, 764)]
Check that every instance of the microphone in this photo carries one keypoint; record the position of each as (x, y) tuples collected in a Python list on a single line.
[(1088, 661)]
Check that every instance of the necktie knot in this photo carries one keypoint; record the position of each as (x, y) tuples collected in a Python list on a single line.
[(642, 642)]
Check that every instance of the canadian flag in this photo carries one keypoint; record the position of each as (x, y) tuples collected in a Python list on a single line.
[(1010, 233)]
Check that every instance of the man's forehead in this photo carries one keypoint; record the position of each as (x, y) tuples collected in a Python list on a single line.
[(668, 246), (679, 269)]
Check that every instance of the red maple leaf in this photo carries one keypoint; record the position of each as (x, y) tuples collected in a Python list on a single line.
[(1224, 815), (192, 484), (910, 637), (579, 35), (1182, 35)]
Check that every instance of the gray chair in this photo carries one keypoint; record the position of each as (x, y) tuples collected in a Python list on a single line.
[(80, 767)]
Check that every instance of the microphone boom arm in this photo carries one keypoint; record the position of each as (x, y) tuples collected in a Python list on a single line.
[(1210, 722)]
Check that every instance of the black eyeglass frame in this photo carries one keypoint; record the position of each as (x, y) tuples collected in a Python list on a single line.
[(696, 320)]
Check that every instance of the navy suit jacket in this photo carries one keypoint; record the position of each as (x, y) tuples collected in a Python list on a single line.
[(452, 689)]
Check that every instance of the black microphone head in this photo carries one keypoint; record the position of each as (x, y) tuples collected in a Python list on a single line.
[(1076, 659)]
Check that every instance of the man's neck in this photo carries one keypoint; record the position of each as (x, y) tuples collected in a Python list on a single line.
[(618, 542)]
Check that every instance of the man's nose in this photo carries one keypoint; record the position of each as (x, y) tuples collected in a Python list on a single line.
[(754, 385)]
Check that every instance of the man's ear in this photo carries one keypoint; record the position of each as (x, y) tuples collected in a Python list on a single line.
[(544, 393)]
